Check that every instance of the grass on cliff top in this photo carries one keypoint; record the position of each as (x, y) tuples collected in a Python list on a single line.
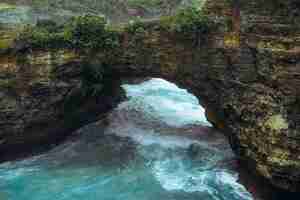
[(6, 7), (93, 32)]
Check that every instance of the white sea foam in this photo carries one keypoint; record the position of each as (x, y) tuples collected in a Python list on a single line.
[(171, 104)]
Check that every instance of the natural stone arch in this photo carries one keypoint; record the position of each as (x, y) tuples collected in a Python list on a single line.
[(248, 83)]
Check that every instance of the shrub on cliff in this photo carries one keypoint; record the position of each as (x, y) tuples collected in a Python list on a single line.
[(43, 35), (188, 22), (88, 31), (135, 27), (192, 20), (85, 31)]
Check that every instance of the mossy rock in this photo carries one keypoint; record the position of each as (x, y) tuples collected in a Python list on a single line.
[(277, 123), (7, 39), (5, 44), (8, 83)]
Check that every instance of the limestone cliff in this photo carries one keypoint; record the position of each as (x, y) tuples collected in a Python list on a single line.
[(43, 98), (248, 80), (261, 106)]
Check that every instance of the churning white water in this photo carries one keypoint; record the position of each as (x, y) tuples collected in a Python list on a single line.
[(157, 145)]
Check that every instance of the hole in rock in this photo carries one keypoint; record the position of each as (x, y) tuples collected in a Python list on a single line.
[(155, 145)]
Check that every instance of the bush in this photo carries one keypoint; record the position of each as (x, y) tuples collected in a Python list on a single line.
[(89, 31), (43, 35), (135, 27), (86, 31), (191, 20), (189, 23)]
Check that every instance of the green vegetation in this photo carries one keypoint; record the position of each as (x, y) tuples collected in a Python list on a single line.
[(164, 6), (192, 20), (189, 23), (145, 3), (135, 27), (5, 43), (92, 35), (89, 31), (8, 83), (41, 37), (186, 22), (6, 7), (93, 32)]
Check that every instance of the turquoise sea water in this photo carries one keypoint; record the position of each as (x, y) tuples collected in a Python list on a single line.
[(147, 149)]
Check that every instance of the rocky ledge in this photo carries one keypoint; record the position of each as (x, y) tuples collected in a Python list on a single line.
[(247, 80)]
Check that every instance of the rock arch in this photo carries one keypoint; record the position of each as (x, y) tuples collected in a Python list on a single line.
[(248, 83)]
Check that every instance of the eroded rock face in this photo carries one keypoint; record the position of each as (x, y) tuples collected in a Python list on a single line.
[(266, 106), (41, 100), (248, 81)]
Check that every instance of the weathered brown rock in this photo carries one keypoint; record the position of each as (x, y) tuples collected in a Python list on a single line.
[(262, 110), (248, 81), (36, 90)]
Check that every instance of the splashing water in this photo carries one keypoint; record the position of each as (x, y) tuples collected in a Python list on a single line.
[(148, 151), (164, 100)]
